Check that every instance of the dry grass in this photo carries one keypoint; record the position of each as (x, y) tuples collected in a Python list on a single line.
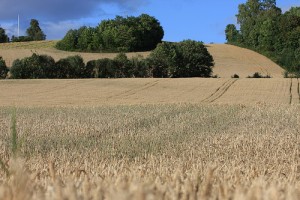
[(229, 60), (13, 51), (95, 92), (173, 151), (232, 60)]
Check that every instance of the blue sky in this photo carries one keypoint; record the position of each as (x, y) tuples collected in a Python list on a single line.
[(202, 20)]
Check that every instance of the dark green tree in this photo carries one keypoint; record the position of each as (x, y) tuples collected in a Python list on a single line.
[(33, 67), (3, 37), (3, 68), (265, 29), (121, 34), (69, 42), (34, 32), (232, 34), (184, 59)]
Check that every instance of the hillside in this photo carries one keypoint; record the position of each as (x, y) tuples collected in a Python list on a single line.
[(229, 59)]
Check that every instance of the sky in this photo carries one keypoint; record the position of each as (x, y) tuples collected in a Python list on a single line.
[(201, 20)]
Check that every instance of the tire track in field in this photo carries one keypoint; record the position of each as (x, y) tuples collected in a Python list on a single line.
[(133, 91), (219, 91), (294, 91), (145, 87), (298, 89), (291, 93)]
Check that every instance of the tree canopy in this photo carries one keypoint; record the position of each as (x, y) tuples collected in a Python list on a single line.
[(264, 28), (121, 34), (3, 37), (34, 32)]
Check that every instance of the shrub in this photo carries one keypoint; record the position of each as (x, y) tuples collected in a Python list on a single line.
[(3, 68), (235, 76), (71, 67), (258, 75), (36, 66), (140, 67)]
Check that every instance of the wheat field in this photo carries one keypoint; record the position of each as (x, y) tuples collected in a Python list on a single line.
[(97, 92), (174, 151)]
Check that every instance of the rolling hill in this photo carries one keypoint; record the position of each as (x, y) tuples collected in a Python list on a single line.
[(229, 59)]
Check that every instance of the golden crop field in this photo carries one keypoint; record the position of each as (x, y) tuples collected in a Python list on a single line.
[(174, 151), (97, 92), (148, 139)]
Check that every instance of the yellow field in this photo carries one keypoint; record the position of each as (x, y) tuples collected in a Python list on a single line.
[(174, 151), (229, 60), (97, 92)]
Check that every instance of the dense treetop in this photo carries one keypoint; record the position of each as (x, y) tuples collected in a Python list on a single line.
[(3, 37), (121, 34), (264, 28)]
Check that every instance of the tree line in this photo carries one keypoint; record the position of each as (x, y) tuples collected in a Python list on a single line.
[(33, 33), (267, 30), (168, 60), (121, 34)]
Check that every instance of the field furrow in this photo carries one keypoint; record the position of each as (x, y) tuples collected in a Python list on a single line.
[(294, 91), (220, 91), (252, 91), (95, 92)]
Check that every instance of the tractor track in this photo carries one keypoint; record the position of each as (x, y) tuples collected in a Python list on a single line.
[(133, 91), (219, 91)]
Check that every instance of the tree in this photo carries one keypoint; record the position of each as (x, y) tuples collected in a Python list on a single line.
[(70, 67), (184, 59), (69, 42), (121, 34), (232, 34), (163, 60), (3, 37), (34, 32), (195, 60), (3, 69), (265, 29)]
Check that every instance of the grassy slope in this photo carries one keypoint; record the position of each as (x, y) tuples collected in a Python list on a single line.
[(229, 59)]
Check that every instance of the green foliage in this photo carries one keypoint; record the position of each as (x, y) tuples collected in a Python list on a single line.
[(34, 67), (20, 39), (232, 34), (3, 37), (121, 34), (69, 42), (70, 67), (34, 32), (258, 75), (171, 60), (3, 68), (184, 59), (265, 29)]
